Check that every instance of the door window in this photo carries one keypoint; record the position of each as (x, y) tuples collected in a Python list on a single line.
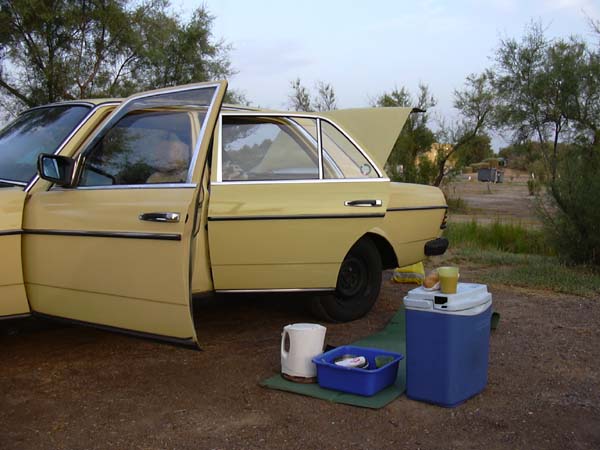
[(148, 141), (261, 148), (341, 158)]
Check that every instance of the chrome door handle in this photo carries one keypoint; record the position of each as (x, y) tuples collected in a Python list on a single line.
[(168, 217), (363, 203)]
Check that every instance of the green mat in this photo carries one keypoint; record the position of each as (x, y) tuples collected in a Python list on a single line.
[(391, 338)]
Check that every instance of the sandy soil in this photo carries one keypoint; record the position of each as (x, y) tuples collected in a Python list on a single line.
[(506, 202), (79, 388)]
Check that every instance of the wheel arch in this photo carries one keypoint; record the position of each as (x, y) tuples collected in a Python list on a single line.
[(389, 260)]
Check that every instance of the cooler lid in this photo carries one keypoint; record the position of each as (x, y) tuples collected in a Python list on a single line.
[(468, 295)]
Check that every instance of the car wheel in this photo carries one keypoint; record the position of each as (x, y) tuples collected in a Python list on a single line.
[(358, 284)]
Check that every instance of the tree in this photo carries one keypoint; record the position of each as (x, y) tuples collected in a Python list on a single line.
[(547, 90), (325, 99), (416, 137), (61, 49), (300, 98), (478, 149), (475, 105)]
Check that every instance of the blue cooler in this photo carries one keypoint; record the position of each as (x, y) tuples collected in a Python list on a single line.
[(447, 343)]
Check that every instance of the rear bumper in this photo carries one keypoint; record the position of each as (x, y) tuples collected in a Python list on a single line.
[(436, 247)]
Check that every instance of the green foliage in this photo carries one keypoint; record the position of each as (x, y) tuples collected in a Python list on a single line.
[(53, 50), (476, 150), (405, 162), (456, 205), (573, 222), (530, 271), (533, 186), (506, 237)]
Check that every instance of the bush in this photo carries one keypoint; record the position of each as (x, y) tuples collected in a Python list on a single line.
[(573, 223)]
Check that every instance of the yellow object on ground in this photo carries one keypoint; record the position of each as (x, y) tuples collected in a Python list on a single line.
[(415, 273)]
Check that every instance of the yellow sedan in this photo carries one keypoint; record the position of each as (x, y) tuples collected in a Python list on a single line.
[(169, 193)]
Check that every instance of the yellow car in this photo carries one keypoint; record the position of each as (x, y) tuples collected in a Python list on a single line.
[(140, 203)]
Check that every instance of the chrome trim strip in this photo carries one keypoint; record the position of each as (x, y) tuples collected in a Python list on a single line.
[(63, 103), (320, 148), (328, 180), (416, 208), (15, 316), (220, 150), (15, 182), (107, 234), (202, 132), (10, 232), (297, 217), (250, 291), (130, 186), (69, 137), (300, 116)]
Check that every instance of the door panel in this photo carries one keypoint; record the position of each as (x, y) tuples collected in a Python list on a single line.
[(82, 265), (13, 300), (119, 254), (287, 235)]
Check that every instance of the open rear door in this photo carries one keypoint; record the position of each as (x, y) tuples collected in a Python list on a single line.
[(115, 251), (13, 301)]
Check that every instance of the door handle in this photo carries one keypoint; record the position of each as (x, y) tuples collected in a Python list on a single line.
[(167, 217), (374, 203)]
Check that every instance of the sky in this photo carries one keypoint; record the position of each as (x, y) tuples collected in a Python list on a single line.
[(364, 48)]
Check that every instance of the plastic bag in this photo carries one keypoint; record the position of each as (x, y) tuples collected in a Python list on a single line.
[(415, 274)]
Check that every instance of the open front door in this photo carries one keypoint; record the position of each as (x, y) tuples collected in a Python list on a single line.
[(13, 301), (115, 251)]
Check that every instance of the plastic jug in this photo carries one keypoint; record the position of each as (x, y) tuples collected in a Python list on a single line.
[(306, 341)]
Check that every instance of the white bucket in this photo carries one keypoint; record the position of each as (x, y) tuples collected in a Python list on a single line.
[(306, 341)]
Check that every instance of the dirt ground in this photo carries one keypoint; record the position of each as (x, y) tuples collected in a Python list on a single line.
[(505, 202), (79, 388)]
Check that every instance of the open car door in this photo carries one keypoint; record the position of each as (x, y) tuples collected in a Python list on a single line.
[(13, 301), (115, 250)]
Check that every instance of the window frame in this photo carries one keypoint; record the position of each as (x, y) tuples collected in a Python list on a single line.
[(319, 143), (86, 147)]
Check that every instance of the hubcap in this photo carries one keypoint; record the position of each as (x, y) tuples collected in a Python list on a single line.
[(353, 277)]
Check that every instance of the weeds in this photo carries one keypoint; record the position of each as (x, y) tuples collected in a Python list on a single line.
[(506, 237), (532, 271)]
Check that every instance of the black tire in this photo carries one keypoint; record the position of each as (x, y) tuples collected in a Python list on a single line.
[(358, 285)]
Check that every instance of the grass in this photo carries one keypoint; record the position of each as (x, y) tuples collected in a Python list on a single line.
[(532, 271), (507, 237), (517, 256), (457, 205)]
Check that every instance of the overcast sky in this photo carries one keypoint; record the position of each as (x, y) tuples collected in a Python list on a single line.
[(366, 47)]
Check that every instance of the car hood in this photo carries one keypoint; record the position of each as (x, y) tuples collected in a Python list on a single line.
[(374, 129)]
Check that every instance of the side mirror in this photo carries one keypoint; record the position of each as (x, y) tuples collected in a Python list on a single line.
[(57, 169)]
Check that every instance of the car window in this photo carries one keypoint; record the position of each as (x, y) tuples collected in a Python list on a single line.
[(341, 158), (41, 130), (144, 147), (261, 148)]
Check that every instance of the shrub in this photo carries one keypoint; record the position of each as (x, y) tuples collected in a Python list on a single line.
[(573, 223)]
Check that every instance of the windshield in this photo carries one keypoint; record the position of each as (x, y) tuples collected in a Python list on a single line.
[(37, 131)]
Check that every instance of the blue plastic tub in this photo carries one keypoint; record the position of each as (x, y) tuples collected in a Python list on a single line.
[(365, 382)]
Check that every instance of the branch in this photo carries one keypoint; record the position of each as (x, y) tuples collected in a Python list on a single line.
[(16, 93)]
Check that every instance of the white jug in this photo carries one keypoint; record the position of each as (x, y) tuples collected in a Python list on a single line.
[(306, 342)]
